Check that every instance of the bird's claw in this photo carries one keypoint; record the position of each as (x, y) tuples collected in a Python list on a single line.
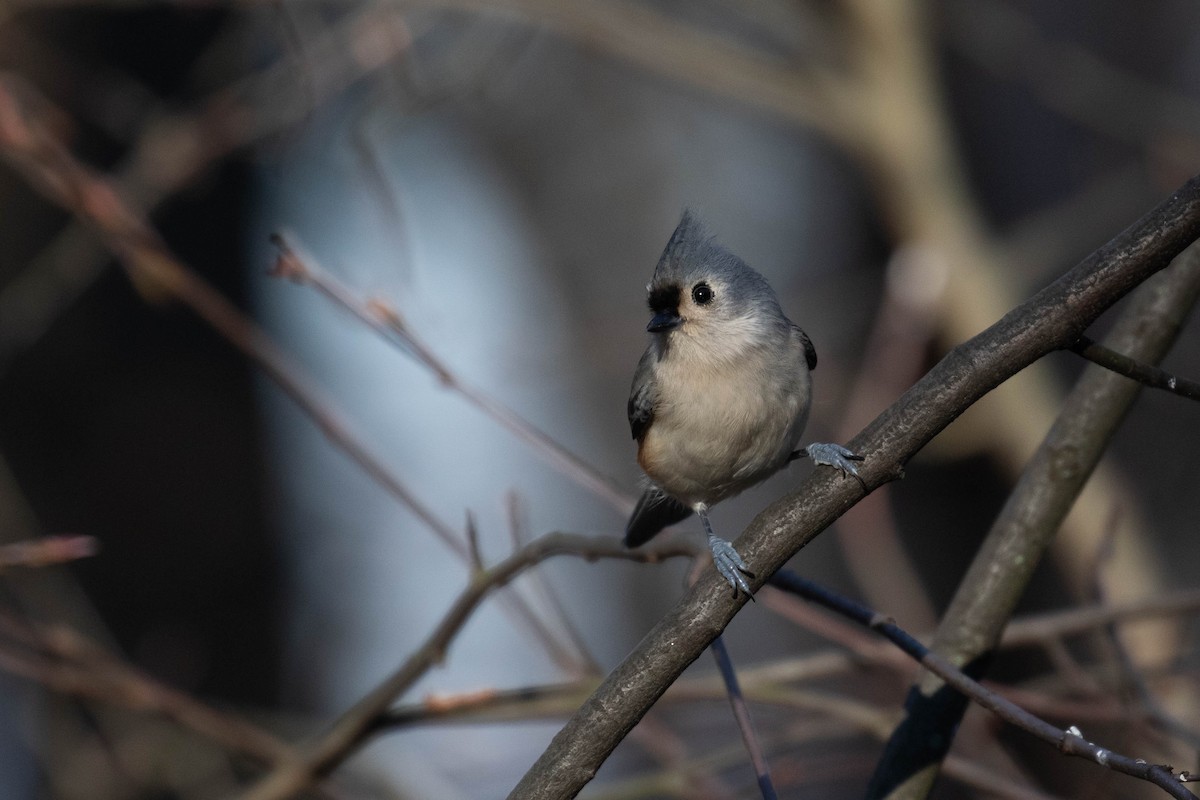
[(731, 565), (836, 456)]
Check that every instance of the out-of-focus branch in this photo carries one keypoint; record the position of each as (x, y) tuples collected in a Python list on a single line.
[(1056, 315), (1038, 629), (297, 265), (58, 175), (767, 684), (1073, 81), (174, 148), (149, 263), (353, 726), (66, 662), (1069, 742), (46, 551), (1035, 509), (814, 96)]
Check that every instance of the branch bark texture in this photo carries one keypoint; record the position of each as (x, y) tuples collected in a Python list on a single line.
[(1052, 319), (972, 626)]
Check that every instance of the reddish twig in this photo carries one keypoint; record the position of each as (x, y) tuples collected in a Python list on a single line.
[(47, 551)]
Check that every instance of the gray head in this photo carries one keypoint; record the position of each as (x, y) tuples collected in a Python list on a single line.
[(701, 289)]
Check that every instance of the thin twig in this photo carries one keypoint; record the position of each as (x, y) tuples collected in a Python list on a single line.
[(1143, 373), (1134, 676), (814, 95), (359, 721), (489, 705), (174, 148), (741, 713), (55, 172), (58, 175), (299, 266), (1035, 630), (583, 661), (1070, 741), (66, 662)]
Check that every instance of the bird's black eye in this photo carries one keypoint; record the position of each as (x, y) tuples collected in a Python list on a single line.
[(702, 294)]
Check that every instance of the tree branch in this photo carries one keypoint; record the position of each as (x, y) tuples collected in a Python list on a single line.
[(1025, 527), (741, 712), (1070, 741)]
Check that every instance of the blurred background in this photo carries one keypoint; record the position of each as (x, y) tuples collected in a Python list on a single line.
[(503, 178)]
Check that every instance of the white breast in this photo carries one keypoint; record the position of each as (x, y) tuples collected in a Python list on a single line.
[(721, 427)]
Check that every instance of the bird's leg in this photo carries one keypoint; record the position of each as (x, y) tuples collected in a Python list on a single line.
[(725, 558), (832, 455)]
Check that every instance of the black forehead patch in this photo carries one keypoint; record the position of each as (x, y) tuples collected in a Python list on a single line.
[(664, 298)]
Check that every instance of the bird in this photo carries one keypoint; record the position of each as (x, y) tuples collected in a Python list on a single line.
[(721, 395)]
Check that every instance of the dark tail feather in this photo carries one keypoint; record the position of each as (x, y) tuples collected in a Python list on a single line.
[(654, 512)]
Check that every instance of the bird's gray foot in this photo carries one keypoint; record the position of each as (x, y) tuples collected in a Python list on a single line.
[(836, 456), (730, 565)]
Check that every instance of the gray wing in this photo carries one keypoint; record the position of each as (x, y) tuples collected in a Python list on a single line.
[(642, 397), (655, 510), (810, 352)]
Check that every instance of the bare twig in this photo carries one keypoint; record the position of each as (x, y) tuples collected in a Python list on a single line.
[(741, 712), (175, 148), (582, 661), (1037, 629), (1143, 373), (58, 175), (296, 265), (66, 662), (864, 649), (1070, 741), (353, 726), (490, 705)]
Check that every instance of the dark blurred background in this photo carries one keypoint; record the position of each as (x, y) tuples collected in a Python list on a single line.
[(505, 179)]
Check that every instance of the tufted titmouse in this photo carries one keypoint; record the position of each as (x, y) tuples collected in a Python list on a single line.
[(722, 393)]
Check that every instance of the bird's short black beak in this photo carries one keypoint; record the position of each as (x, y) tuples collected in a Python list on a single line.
[(664, 321)]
